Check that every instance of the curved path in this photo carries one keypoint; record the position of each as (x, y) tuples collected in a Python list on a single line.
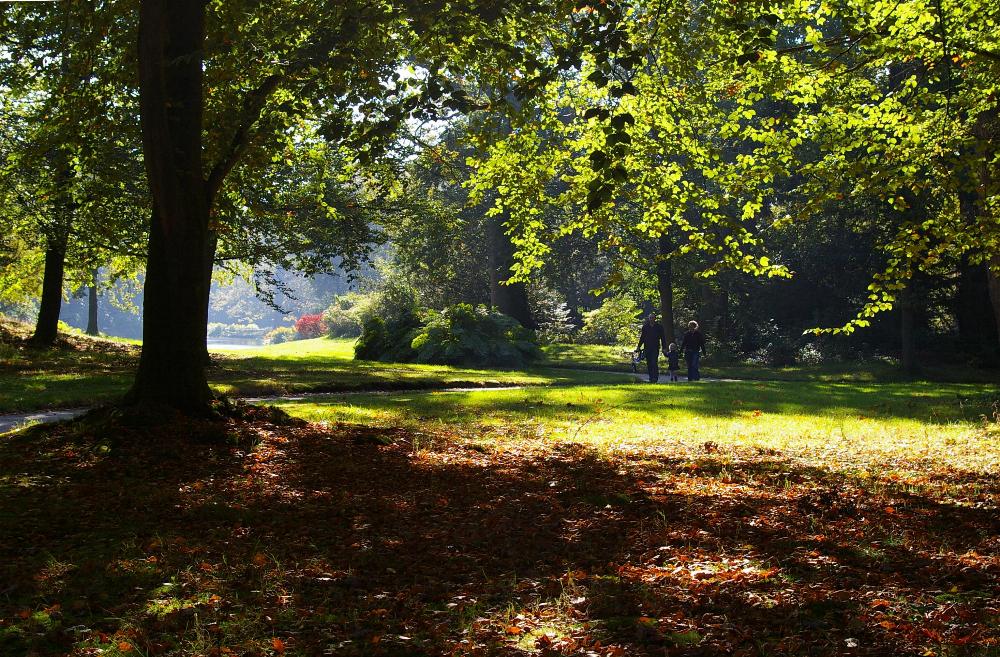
[(17, 420)]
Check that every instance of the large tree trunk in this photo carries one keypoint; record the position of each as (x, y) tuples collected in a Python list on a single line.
[(172, 366), (47, 324), (510, 299), (92, 327), (665, 285)]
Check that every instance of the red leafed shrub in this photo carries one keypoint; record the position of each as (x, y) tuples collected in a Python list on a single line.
[(310, 326)]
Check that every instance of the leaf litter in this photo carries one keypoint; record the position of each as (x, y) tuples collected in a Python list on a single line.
[(267, 536)]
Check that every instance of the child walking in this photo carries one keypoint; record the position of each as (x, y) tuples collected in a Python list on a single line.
[(673, 361)]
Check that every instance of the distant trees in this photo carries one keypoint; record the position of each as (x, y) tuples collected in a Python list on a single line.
[(68, 159)]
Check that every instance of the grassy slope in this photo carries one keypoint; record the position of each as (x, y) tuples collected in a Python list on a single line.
[(327, 365), (83, 371), (79, 371)]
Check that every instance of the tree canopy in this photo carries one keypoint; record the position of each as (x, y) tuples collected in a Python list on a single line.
[(646, 137)]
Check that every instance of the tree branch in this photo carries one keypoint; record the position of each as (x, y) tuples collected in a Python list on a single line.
[(253, 107)]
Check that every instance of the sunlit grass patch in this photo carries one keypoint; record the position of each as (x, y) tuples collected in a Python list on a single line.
[(878, 424)]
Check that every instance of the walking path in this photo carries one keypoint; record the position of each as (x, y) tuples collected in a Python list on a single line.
[(16, 420)]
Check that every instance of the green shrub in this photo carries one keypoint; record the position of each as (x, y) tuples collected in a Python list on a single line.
[(281, 334), (616, 322), (474, 336), (63, 327), (387, 341), (343, 317), (388, 323)]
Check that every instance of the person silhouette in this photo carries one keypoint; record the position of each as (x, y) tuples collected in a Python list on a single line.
[(693, 346), (651, 338)]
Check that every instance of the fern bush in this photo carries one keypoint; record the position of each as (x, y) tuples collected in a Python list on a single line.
[(474, 336)]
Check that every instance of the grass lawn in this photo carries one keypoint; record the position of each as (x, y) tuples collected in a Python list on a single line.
[(746, 518), (84, 371), (327, 364), (869, 426), (610, 358)]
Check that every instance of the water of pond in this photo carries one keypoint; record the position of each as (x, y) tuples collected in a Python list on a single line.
[(234, 343)]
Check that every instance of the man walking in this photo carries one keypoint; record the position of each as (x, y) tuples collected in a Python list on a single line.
[(693, 346), (651, 339)]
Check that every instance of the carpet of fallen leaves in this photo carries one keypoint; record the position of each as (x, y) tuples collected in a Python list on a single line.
[(265, 536)]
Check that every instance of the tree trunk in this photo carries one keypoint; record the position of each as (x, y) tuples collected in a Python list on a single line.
[(993, 284), (665, 285), (92, 328), (172, 366), (47, 324), (986, 130), (510, 299), (211, 244), (977, 327), (907, 335)]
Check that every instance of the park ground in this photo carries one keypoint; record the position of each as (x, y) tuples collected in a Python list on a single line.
[(566, 512)]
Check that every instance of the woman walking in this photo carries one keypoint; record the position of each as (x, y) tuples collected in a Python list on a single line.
[(693, 346)]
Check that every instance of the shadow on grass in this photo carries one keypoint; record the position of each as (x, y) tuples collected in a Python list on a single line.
[(365, 541), (930, 404)]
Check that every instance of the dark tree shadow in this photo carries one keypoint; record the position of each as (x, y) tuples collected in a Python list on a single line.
[(363, 541)]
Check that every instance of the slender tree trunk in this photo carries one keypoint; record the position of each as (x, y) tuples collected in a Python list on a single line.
[(974, 309), (907, 335), (510, 299), (172, 366), (92, 328), (993, 284), (57, 235), (986, 130), (47, 324), (211, 244), (665, 285)]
